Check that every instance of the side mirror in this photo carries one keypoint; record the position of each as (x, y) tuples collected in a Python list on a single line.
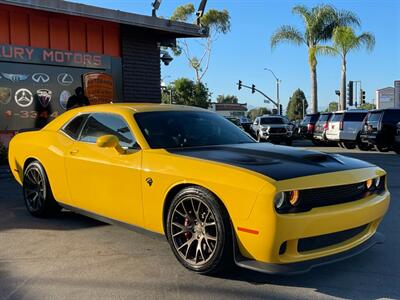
[(110, 141)]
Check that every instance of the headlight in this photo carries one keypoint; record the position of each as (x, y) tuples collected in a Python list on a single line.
[(369, 184), (286, 200), (280, 200), (377, 182)]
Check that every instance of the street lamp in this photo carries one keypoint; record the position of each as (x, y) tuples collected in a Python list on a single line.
[(278, 81)]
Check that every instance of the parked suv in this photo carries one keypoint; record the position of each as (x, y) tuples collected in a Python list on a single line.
[(380, 128), (345, 126), (272, 128), (307, 126), (321, 126)]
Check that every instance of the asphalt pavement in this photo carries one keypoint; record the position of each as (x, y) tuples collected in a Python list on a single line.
[(74, 257)]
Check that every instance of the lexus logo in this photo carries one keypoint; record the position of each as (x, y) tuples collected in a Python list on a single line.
[(40, 78), (23, 97), (65, 79)]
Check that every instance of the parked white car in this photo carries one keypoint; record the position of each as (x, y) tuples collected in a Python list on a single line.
[(344, 127), (272, 128)]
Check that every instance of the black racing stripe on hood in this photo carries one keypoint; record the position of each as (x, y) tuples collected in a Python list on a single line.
[(276, 162)]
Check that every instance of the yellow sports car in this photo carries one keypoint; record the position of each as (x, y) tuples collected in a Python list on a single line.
[(217, 195)]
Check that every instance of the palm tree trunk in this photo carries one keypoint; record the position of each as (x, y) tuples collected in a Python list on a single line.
[(343, 86), (314, 94)]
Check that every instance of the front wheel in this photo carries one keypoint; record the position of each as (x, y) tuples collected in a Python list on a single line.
[(37, 193), (349, 145), (199, 232)]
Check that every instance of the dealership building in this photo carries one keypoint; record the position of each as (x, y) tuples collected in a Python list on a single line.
[(49, 48)]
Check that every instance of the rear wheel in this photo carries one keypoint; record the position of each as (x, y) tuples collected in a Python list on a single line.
[(37, 193), (349, 145), (199, 232), (363, 146), (382, 148)]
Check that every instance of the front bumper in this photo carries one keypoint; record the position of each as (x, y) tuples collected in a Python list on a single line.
[(290, 230), (319, 136), (305, 266)]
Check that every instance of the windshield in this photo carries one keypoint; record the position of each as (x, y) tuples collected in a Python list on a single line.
[(264, 121), (181, 129), (336, 118)]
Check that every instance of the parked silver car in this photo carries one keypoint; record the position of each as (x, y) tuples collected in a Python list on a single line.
[(344, 127), (273, 129)]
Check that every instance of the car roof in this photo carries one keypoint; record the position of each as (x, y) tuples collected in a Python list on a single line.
[(351, 111)]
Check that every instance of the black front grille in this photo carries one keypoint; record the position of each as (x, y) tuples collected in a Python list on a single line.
[(277, 130), (326, 240), (332, 195)]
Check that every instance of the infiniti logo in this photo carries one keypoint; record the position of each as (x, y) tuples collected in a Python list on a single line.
[(40, 78)]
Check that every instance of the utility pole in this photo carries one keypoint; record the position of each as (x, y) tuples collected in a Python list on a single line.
[(278, 81)]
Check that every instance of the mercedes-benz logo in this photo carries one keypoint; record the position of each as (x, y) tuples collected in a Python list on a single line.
[(65, 79), (40, 78), (23, 97)]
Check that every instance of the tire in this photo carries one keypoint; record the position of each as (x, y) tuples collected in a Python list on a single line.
[(38, 197), (349, 145), (382, 148), (397, 150), (288, 142), (190, 210), (363, 146), (259, 138)]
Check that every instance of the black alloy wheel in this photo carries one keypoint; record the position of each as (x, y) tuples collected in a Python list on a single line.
[(199, 232), (37, 193)]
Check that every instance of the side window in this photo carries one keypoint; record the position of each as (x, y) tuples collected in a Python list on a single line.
[(257, 121), (73, 128), (99, 124)]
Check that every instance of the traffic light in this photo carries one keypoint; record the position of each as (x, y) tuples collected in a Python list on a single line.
[(280, 109), (350, 93), (253, 88), (362, 96), (240, 85)]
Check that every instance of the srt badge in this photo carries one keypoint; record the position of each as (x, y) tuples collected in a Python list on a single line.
[(44, 97)]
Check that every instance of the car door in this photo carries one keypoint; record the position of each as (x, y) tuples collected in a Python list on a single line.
[(101, 180)]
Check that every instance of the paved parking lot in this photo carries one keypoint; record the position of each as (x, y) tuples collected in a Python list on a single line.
[(74, 257)]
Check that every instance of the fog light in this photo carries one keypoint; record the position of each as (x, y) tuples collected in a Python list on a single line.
[(294, 198), (369, 183), (279, 200)]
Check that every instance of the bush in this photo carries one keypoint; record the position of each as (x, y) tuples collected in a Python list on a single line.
[(3, 154)]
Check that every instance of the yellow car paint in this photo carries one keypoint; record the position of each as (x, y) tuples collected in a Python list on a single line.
[(105, 182)]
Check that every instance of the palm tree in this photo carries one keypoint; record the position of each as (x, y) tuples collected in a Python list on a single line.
[(319, 23), (344, 41)]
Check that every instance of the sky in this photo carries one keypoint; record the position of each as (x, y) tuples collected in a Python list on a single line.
[(244, 52)]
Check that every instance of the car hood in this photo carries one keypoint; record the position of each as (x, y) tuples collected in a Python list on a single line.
[(276, 162)]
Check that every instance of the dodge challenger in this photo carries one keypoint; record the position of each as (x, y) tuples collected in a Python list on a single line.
[(217, 195)]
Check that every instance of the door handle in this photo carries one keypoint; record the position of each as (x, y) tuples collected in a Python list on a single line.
[(74, 151)]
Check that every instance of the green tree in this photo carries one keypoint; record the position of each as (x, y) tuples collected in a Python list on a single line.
[(295, 108), (187, 92), (319, 23), (227, 99), (217, 22), (367, 106), (333, 106), (345, 40), (256, 112)]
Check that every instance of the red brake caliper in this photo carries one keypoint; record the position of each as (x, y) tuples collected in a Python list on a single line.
[(187, 234)]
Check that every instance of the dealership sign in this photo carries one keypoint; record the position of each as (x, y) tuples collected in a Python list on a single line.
[(10, 53)]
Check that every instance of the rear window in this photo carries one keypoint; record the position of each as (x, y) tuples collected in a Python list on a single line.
[(323, 118), (374, 117), (392, 116), (314, 118), (336, 118), (306, 120), (354, 117)]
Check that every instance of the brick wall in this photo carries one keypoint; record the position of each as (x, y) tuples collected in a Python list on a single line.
[(140, 66)]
